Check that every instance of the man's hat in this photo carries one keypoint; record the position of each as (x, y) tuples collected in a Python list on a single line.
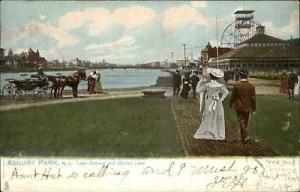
[(244, 73)]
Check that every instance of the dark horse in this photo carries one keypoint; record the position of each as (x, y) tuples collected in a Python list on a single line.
[(59, 82)]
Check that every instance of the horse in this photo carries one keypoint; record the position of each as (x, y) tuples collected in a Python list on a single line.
[(54, 82), (60, 82)]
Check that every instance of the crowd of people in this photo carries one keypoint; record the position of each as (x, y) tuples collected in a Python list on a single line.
[(211, 85)]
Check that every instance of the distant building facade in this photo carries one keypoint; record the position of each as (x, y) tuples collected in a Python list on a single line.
[(29, 59), (210, 53)]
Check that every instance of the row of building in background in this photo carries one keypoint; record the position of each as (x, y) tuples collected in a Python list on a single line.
[(33, 59), (258, 53)]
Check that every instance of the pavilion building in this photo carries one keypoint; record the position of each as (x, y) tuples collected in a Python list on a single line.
[(261, 53)]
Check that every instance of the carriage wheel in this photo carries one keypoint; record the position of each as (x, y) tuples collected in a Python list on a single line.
[(9, 91), (41, 92), (38, 93), (47, 91), (19, 93)]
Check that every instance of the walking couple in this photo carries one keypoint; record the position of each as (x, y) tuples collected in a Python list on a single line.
[(243, 99)]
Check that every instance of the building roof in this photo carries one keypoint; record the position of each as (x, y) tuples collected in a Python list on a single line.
[(244, 11), (212, 52), (263, 38), (264, 52), (294, 41)]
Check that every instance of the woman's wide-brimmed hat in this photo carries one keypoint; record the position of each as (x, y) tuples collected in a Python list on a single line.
[(216, 72)]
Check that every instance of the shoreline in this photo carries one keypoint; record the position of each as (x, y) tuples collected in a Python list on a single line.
[(263, 87), (29, 70), (30, 101)]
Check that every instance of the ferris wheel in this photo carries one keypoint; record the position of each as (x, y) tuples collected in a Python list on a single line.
[(243, 28)]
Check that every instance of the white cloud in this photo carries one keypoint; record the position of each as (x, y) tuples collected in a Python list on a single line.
[(33, 30), (61, 36), (11, 36), (99, 19), (133, 17), (198, 3), (20, 50), (175, 17), (109, 47), (292, 28), (42, 17), (52, 54)]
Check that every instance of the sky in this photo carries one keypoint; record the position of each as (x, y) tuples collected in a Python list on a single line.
[(131, 32)]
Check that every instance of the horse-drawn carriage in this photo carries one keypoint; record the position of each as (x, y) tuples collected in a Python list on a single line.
[(15, 88), (42, 87)]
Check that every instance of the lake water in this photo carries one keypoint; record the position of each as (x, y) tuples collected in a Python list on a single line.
[(110, 79)]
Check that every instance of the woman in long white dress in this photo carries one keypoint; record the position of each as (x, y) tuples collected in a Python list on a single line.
[(98, 86), (297, 86), (213, 124)]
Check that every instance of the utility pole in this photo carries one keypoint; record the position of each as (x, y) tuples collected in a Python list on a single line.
[(184, 52), (217, 41), (172, 58)]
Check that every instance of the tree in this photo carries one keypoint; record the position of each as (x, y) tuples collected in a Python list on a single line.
[(30, 51), (10, 53)]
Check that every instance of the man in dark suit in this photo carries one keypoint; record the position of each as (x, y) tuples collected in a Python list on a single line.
[(243, 99), (176, 81), (194, 80)]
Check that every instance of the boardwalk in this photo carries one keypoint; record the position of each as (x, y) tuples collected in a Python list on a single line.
[(187, 116)]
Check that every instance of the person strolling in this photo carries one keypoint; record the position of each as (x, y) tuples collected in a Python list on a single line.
[(243, 100), (176, 82), (284, 83), (292, 81), (212, 125), (186, 86), (91, 82), (194, 81), (98, 86)]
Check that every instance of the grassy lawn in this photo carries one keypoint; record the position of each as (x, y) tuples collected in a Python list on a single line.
[(260, 82), (277, 122), (133, 127)]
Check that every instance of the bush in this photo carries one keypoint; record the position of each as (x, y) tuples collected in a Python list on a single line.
[(266, 75)]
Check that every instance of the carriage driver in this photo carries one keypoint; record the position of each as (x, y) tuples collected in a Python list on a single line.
[(40, 73)]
